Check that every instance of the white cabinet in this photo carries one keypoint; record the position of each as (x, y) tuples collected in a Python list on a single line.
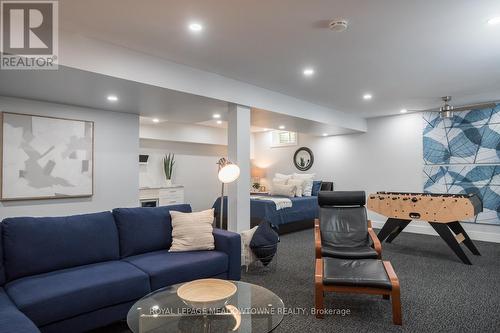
[(171, 196), (165, 196)]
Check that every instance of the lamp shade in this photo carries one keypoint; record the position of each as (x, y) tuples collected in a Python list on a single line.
[(229, 173), (257, 172)]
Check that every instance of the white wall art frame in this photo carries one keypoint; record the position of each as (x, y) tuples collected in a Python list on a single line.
[(45, 157)]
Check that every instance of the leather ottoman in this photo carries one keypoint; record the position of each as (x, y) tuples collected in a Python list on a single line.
[(365, 276)]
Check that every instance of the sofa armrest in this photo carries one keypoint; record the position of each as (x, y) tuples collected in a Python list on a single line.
[(230, 243), (12, 319)]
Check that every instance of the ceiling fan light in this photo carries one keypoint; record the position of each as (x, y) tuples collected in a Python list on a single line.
[(446, 114)]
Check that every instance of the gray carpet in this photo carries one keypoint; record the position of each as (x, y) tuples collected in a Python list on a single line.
[(438, 292)]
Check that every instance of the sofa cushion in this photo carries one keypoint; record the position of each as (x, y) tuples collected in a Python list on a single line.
[(2, 270), (58, 295), (11, 319), (144, 229), (167, 268), (38, 245)]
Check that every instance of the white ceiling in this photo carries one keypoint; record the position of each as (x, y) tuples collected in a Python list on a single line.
[(82, 88), (406, 53), (86, 89)]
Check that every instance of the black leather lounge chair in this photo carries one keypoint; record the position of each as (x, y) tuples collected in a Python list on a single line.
[(345, 261), (343, 230)]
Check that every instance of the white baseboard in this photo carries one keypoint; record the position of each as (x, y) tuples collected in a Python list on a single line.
[(481, 232)]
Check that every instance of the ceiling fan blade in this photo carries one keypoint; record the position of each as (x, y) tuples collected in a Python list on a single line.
[(475, 106), (426, 110)]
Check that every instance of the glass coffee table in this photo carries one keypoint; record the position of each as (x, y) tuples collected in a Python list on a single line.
[(252, 309)]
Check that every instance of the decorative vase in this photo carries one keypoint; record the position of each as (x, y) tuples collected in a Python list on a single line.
[(168, 182)]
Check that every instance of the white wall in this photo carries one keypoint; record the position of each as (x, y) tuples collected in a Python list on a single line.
[(116, 170), (195, 168), (388, 157)]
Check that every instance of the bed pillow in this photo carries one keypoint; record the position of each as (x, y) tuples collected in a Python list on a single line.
[(308, 182), (299, 183), (282, 176), (192, 231), (316, 187), (284, 190), (281, 181)]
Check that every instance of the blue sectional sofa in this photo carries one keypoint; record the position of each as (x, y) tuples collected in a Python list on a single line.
[(76, 273)]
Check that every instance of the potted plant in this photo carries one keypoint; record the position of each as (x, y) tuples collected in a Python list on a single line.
[(168, 166)]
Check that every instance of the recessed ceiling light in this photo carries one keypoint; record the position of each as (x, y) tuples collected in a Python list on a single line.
[(325, 134), (403, 111), (281, 127), (308, 71), (367, 96), (216, 116), (219, 122), (156, 120), (195, 27), (112, 98), (494, 20)]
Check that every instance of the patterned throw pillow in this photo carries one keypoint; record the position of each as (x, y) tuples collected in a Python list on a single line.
[(299, 184), (308, 182), (192, 231)]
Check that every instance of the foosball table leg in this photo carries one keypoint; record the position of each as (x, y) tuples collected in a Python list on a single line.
[(457, 228), (446, 234), (395, 233), (391, 229)]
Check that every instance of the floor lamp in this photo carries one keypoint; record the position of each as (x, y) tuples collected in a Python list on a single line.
[(228, 173)]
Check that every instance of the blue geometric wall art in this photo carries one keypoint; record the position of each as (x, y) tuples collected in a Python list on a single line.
[(462, 156)]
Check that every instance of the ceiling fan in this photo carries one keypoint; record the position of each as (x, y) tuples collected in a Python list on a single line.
[(446, 110)]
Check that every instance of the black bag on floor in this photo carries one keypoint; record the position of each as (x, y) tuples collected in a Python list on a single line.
[(264, 243)]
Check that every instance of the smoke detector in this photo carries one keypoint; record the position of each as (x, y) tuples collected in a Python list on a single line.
[(338, 25)]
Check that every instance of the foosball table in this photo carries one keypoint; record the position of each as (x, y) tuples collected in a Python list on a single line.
[(442, 211)]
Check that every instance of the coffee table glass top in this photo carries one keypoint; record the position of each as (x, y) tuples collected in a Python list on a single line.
[(252, 309)]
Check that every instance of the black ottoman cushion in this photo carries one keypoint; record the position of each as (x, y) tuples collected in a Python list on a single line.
[(355, 273)]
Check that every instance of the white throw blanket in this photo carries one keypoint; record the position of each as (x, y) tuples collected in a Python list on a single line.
[(278, 201)]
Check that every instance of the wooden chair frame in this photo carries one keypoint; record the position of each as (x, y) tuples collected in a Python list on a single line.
[(393, 294), (317, 239)]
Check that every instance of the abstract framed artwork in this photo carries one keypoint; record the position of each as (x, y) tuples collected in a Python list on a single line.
[(45, 157), (462, 156)]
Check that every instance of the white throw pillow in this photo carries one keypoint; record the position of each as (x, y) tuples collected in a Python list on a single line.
[(303, 175), (246, 238), (281, 181), (282, 176), (192, 231), (299, 183), (308, 182), (285, 190)]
